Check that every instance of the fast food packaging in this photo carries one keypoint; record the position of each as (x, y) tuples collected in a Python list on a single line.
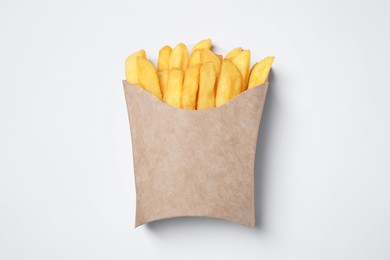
[(197, 163)]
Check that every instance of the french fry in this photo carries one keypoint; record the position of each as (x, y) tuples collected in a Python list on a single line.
[(260, 71), (147, 76), (163, 79), (179, 57), (220, 57), (229, 83), (174, 87), (131, 66), (195, 58), (209, 56), (190, 87), (206, 92), (204, 44), (163, 58), (242, 61), (233, 52)]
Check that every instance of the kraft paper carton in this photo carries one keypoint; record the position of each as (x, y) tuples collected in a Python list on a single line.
[(194, 162)]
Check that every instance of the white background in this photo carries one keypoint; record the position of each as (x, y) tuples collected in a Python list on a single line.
[(322, 167)]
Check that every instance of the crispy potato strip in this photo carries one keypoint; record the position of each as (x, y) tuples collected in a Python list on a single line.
[(163, 80), (204, 44), (174, 87), (233, 53), (260, 71), (229, 83), (179, 57), (195, 58), (163, 58), (190, 88), (207, 56), (147, 76), (131, 66), (207, 80), (242, 62)]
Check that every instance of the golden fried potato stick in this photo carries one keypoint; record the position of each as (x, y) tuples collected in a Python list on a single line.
[(190, 88), (204, 44), (206, 92), (260, 71), (242, 62), (131, 66), (229, 83), (195, 58), (233, 52), (163, 79), (220, 57), (174, 87), (147, 76), (209, 56), (163, 58), (179, 57)]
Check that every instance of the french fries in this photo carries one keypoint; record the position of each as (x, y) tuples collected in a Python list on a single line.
[(204, 44), (195, 58), (174, 86), (163, 58), (207, 80), (190, 87), (147, 76), (220, 57), (209, 56), (163, 80), (233, 52), (202, 80), (229, 83), (242, 61), (260, 71), (131, 66), (179, 57)]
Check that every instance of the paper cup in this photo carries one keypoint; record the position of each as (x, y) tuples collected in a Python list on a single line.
[(194, 162)]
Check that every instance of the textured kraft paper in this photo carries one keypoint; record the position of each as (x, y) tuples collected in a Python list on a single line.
[(194, 162)]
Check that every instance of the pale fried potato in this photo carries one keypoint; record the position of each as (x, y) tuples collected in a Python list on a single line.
[(229, 83), (163, 58), (190, 87), (242, 61), (207, 80), (209, 56), (131, 66), (204, 44), (179, 57), (147, 76), (174, 87), (195, 58), (163, 79), (260, 71), (233, 53)]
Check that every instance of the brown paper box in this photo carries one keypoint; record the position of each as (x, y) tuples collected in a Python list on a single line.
[(194, 162)]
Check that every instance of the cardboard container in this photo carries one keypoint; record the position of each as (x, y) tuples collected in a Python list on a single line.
[(194, 162)]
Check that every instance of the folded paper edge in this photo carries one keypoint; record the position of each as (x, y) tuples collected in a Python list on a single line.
[(239, 96)]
